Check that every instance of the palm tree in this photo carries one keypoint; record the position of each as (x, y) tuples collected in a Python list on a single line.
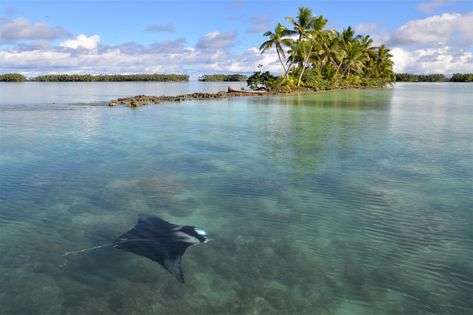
[(333, 55), (336, 57), (276, 39), (354, 58), (302, 24), (366, 42), (312, 36), (348, 35), (338, 52), (384, 63), (355, 50)]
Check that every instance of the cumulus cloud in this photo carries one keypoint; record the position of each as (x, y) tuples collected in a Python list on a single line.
[(82, 41), (260, 23), (166, 56), (433, 5), (160, 28), (437, 29), (216, 40), (22, 29), (440, 43), (432, 60), (436, 44)]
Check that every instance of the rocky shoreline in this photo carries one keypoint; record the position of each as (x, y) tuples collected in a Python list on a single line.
[(139, 100)]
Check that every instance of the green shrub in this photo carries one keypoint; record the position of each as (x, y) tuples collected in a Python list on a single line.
[(262, 80)]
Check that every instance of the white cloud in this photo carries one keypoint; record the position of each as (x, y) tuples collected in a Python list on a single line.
[(433, 5), (440, 43), (437, 29), (216, 40), (402, 59), (82, 41), (144, 59), (22, 29), (444, 59), (436, 44)]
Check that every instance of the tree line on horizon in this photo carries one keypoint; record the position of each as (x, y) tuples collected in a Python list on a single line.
[(434, 77), (18, 77), (400, 77), (223, 77)]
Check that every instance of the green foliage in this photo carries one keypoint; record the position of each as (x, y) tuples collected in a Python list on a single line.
[(223, 77), (322, 59), (409, 77), (353, 80), (111, 77), (262, 80), (462, 77), (312, 78), (12, 77)]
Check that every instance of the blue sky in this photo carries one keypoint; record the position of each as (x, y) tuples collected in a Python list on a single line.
[(198, 37)]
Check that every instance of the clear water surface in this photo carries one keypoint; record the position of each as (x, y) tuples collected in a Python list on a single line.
[(347, 202)]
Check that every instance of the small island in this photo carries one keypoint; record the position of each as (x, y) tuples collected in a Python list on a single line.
[(18, 77), (434, 77), (223, 77)]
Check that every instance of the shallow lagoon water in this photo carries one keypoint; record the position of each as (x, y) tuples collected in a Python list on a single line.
[(347, 202)]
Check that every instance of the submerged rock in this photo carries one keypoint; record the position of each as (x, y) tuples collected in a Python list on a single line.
[(138, 100)]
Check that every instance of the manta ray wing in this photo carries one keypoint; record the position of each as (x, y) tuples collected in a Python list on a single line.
[(161, 241)]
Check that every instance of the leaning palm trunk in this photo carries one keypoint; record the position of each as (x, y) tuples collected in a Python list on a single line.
[(292, 59), (280, 60), (304, 65)]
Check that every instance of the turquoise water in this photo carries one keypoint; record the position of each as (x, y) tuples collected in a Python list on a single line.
[(347, 202)]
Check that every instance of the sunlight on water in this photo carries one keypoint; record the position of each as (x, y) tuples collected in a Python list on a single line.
[(347, 202)]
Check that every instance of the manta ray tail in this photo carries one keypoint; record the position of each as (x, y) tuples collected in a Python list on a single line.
[(88, 249)]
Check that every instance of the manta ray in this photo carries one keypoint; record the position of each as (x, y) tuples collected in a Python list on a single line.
[(158, 240)]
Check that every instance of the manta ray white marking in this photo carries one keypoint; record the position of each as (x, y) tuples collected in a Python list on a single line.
[(187, 238)]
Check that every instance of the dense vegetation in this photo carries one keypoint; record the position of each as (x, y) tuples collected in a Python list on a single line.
[(462, 77), (12, 77), (409, 77), (435, 77), (110, 77), (314, 57), (261, 80), (223, 77)]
